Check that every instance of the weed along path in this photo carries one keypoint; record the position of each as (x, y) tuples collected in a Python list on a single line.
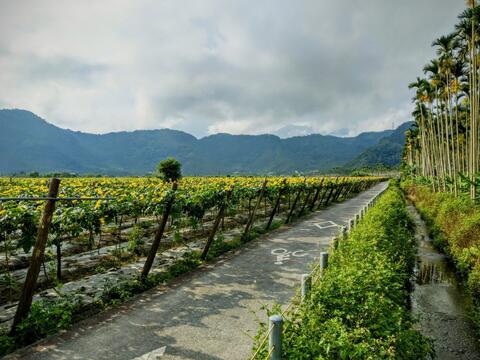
[(213, 312), (439, 302)]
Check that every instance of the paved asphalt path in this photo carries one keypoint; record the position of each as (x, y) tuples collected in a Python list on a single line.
[(211, 313)]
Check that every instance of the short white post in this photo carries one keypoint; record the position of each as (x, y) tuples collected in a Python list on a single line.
[(351, 224), (275, 337), (323, 261), (306, 285)]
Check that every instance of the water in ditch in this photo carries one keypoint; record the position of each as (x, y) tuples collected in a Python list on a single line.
[(439, 302)]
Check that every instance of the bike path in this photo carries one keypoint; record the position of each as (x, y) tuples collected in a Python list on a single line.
[(212, 313)]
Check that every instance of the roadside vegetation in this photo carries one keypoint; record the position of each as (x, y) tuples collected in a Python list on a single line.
[(358, 308)]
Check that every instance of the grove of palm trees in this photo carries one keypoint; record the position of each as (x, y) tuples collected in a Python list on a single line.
[(441, 156), (443, 147)]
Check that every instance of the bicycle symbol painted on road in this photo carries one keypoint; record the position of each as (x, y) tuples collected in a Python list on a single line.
[(284, 255)]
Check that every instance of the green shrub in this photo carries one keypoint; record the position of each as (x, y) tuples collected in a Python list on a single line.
[(47, 317), (136, 244), (220, 246), (7, 344), (170, 170), (358, 309), (474, 284)]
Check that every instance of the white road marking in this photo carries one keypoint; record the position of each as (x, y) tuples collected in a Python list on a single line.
[(279, 251), (284, 255), (325, 224), (299, 253), (153, 355)]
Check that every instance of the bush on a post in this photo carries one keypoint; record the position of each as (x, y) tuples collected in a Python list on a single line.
[(169, 170)]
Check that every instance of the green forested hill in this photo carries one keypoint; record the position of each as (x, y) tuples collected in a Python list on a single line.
[(29, 143), (388, 151)]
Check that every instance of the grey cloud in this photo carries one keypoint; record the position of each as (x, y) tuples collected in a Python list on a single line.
[(60, 69), (223, 65)]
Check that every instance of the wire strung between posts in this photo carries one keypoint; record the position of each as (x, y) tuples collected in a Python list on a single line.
[(44, 198), (270, 352), (297, 294), (284, 312), (262, 343), (288, 308)]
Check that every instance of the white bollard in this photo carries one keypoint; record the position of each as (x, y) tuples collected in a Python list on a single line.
[(323, 261), (351, 224), (306, 285), (275, 337)]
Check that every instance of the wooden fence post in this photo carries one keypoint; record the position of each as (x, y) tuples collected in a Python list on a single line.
[(331, 191), (216, 224), (349, 190), (26, 298), (317, 194), (339, 191), (315, 198), (368, 184), (323, 196), (343, 186), (277, 204), (363, 186), (336, 190), (158, 235), (252, 215), (306, 202), (353, 189), (292, 209)]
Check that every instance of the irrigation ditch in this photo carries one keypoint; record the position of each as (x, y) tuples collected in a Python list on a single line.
[(440, 301)]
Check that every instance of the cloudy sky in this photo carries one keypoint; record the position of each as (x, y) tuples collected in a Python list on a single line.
[(206, 66)]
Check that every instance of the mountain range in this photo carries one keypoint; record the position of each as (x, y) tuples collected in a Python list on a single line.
[(29, 143)]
